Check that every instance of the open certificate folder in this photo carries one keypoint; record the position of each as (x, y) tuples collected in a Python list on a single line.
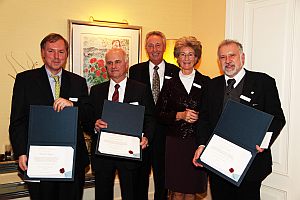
[(52, 140), (125, 126), (232, 147)]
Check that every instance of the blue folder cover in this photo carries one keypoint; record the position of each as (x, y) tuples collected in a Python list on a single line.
[(123, 118), (244, 126), (50, 128)]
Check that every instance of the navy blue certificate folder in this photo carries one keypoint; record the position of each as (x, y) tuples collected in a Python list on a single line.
[(243, 126), (123, 119), (48, 128)]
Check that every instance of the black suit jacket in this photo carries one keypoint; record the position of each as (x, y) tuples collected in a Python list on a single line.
[(140, 72), (134, 92), (174, 98), (262, 91), (32, 87)]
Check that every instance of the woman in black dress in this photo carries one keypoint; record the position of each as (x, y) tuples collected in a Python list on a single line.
[(179, 107)]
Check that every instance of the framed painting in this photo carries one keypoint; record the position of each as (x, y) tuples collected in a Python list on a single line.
[(89, 41)]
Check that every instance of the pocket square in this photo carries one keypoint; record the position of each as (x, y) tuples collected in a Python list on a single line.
[(168, 77), (134, 103)]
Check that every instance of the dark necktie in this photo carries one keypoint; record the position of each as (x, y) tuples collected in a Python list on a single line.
[(155, 84), (115, 96), (230, 83)]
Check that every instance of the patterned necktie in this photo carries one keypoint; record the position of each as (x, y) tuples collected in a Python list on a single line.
[(115, 96), (57, 86), (155, 84), (230, 83)]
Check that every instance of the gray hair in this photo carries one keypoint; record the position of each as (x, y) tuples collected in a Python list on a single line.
[(228, 42), (157, 33), (191, 42)]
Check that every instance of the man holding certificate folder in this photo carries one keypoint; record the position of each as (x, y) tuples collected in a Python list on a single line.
[(118, 89), (254, 89), (50, 85)]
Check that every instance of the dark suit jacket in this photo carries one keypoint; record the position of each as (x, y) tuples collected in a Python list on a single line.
[(140, 72), (134, 92), (174, 98), (32, 87), (262, 91)]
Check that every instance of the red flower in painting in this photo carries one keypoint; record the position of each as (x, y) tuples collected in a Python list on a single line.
[(86, 70), (92, 60), (100, 63), (103, 69), (104, 76), (98, 72), (92, 69)]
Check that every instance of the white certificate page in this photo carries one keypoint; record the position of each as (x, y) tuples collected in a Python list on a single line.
[(119, 145), (226, 157), (50, 162)]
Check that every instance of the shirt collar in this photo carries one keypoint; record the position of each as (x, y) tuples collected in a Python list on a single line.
[(122, 83), (237, 77), (160, 65), (50, 74)]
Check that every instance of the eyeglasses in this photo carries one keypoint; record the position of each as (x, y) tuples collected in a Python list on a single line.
[(184, 55)]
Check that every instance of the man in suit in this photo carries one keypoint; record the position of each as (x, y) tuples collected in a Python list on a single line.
[(257, 90), (38, 87), (120, 89), (155, 45)]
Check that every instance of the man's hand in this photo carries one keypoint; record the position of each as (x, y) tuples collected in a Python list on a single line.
[(144, 142), (23, 162), (197, 155), (99, 124), (60, 103)]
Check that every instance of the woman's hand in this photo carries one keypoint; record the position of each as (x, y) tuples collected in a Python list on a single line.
[(188, 115)]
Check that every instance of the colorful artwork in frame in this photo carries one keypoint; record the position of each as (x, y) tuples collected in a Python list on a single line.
[(90, 41)]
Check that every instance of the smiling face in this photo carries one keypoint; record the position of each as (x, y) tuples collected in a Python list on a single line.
[(187, 59), (55, 56), (116, 63), (231, 59), (155, 49)]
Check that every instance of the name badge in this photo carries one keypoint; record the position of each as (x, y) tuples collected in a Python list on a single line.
[(245, 98), (196, 85)]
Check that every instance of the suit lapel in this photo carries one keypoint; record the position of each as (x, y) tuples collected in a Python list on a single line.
[(248, 89), (65, 85), (43, 82), (145, 73), (218, 94), (197, 84), (128, 92), (168, 71)]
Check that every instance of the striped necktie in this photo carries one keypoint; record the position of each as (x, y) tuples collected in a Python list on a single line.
[(57, 86), (115, 96)]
